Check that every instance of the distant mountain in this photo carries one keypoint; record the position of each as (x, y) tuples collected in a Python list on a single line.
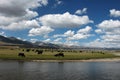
[(46, 45), (14, 41)]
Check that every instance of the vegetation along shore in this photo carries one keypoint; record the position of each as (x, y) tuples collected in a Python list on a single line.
[(36, 54)]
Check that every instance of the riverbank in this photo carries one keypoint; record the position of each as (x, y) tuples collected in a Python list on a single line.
[(88, 60), (48, 56)]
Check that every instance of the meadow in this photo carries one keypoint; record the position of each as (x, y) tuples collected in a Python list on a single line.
[(48, 54)]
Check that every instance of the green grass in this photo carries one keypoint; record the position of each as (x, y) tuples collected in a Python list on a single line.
[(8, 54)]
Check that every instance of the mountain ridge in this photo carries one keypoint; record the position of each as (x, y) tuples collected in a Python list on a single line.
[(13, 41), (7, 41)]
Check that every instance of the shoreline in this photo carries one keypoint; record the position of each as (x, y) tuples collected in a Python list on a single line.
[(88, 60)]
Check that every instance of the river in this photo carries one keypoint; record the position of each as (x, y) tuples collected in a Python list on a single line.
[(23, 70)]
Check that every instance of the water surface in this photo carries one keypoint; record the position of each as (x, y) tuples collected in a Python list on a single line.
[(17, 70)]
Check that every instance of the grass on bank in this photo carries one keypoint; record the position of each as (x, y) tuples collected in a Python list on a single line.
[(8, 54)]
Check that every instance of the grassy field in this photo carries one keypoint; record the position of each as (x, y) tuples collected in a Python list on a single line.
[(12, 54)]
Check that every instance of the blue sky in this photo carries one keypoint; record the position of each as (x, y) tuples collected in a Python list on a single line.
[(91, 23)]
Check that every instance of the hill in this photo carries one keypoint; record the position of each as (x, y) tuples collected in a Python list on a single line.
[(12, 41)]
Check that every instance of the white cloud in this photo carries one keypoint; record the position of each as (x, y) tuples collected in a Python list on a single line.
[(70, 37), (2, 33), (85, 30), (109, 27), (99, 31), (21, 39), (115, 13), (33, 40), (29, 15), (47, 40), (21, 25), (103, 44), (55, 41), (6, 21), (108, 24), (58, 39), (13, 13), (43, 2), (42, 31), (111, 38), (80, 34), (64, 20), (96, 43), (83, 11), (58, 35), (18, 7), (32, 23), (71, 43), (69, 33), (110, 30)]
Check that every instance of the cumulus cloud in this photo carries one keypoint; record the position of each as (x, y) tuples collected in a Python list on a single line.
[(5, 21), (33, 40), (47, 40), (83, 11), (64, 20), (42, 31), (85, 30), (58, 39), (21, 25), (109, 27), (29, 15), (96, 43), (21, 39), (78, 37), (65, 42), (71, 43), (103, 44), (115, 13), (111, 38), (80, 34), (108, 24), (69, 33), (16, 12), (99, 31), (110, 30), (18, 7), (2, 33)]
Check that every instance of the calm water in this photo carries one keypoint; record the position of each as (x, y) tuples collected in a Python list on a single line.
[(13, 70)]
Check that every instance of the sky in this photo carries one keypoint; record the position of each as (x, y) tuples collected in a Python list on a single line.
[(88, 23)]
